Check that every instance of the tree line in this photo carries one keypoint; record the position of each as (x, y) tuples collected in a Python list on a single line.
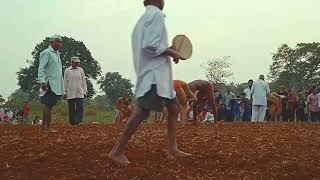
[(294, 67)]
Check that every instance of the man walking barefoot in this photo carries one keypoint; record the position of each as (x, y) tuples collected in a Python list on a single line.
[(154, 89)]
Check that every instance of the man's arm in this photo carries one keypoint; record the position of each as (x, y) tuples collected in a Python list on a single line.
[(84, 83), (253, 88), (267, 89), (43, 61), (152, 42), (65, 81)]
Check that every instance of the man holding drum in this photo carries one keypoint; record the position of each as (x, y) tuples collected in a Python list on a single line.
[(154, 89)]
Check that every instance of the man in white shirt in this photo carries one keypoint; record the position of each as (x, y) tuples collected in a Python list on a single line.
[(75, 90), (260, 90), (247, 91), (154, 88)]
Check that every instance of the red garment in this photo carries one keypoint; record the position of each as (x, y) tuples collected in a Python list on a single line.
[(26, 108), (292, 105)]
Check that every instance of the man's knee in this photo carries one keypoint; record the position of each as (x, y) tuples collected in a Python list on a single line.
[(173, 109), (48, 108)]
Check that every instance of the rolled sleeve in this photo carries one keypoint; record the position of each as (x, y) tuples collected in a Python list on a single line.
[(153, 32), (44, 59)]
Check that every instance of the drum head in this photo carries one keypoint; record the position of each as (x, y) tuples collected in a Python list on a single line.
[(182, 44)]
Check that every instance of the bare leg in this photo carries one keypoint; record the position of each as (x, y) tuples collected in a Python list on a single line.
[(195, 112), (182, 101), (44, 127), (173, 151), (116, 153)]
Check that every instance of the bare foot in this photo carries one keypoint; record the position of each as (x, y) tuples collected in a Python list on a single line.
[(44, 132), (177, 154), (119, 159), (52, 131)]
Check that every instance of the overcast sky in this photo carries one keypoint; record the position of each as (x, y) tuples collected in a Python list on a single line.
[(248, 31)]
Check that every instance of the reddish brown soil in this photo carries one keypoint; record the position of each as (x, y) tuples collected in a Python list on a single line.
[(220, 151)]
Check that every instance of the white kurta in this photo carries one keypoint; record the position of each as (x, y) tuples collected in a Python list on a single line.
[(259, 91), (149, 41), (75, 83)]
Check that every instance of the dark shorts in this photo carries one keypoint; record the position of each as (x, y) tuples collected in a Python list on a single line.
[(49, 99), (152, 102)]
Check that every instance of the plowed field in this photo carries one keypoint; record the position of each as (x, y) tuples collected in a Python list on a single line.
[(219, 151)]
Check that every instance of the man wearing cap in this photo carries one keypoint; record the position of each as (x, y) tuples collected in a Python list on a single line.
[(154, 89), (75, 90), (50, 77)]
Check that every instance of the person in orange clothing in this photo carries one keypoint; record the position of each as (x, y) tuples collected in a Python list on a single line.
[(275, 107), (184, 94), (26, 111), (205, 96), (122, 110), (127, 111)]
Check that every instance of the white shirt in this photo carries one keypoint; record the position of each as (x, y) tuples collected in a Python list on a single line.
[(75, 83), (318, 98), (149, 41), (247, 91), (259, 91), (10, 114)]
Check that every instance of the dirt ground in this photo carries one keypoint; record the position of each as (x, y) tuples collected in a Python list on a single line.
[(220, 151)]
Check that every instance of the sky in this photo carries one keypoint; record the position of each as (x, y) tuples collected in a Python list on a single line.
[(248, 31)]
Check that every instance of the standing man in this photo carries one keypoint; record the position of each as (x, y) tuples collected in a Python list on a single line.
[(313, 107), (75, 90), (260, 90), (226, 98), (291, 106), (26, 111), (50, 77), (154, 89), (247, 91), (284, 95)]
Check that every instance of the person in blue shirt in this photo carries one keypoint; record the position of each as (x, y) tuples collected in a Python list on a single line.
[(236, 109), (51, 80)]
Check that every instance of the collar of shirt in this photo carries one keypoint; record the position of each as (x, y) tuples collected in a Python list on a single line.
[(72, 68), (52, 50), (155, 9)]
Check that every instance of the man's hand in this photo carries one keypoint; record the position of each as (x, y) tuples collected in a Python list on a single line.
[(174, 54), (44, 87), (65, 97)]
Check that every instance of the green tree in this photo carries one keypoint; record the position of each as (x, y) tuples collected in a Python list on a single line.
[(100, 100), (218, 69), (2, 100), (295, 67), (115, 86), (27, 77), (236, 88), (17, 98)]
